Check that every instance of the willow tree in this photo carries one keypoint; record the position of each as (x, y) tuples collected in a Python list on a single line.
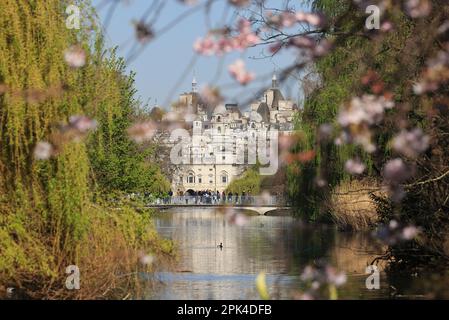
[(48, 219)]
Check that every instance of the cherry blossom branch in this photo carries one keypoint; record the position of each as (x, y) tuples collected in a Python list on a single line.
[(428, 180)]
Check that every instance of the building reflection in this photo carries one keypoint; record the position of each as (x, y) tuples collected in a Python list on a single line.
[(278, 246)]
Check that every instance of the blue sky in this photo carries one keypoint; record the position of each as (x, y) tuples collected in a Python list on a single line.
[(161, 65)]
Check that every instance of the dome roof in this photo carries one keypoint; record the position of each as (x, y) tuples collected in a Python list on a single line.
[(264, 112), (255, 116)]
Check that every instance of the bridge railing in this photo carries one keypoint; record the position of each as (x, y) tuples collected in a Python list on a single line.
[(227, 200)]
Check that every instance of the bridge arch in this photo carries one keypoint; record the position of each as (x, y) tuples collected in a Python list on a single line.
[(262, 210)]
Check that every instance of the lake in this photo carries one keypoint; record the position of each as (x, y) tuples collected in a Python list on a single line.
[(280, 246)]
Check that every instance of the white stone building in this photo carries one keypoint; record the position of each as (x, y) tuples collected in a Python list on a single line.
[(217, 151)]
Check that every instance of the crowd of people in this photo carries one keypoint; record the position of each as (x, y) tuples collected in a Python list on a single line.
[(207, 197)]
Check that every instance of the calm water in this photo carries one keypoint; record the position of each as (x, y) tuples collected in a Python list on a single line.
[(279, 246)]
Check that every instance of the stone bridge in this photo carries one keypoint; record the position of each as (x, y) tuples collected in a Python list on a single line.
[(261, 205)]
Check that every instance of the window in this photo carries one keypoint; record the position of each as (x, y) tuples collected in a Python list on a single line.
[(191, 178), (224, 177), (200, 180), (218, 119), (224, 157), (219, 129)]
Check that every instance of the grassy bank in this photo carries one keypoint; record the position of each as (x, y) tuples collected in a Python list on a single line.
[(108, 256), (351, 206)]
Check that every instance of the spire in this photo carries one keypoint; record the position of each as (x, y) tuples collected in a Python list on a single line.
[(194, 83), (274, 81)]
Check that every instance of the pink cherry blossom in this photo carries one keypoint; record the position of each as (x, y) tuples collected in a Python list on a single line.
[(211, 96), (314, 47), (435, 74), (325, 131), (386, 26), (314, 19), (302, 42), (411, 143), (206, 46), (369, 109), (238, 72), (239, 3), (321, 183), (322, 48), (322, 275), (244, 25), (223, 42), (82, 124), (396, 171), (143, 131), (354, 167), (396, 232), (336, 278), (146, 259), (246, 37), (288, 19), (235, 218), (409, 232), (359, 116), (393, 224), (418, 8), (224, 45), (43, 150), (75, 56)]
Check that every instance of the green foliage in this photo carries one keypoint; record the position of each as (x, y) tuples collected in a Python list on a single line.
[(340, 74), (118, 163), (48, 219), (398, 59), (248, 183)]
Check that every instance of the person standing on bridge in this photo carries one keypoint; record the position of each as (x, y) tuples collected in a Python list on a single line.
[(170, 196)]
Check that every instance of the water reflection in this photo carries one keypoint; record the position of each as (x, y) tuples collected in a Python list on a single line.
[(277, 245)]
